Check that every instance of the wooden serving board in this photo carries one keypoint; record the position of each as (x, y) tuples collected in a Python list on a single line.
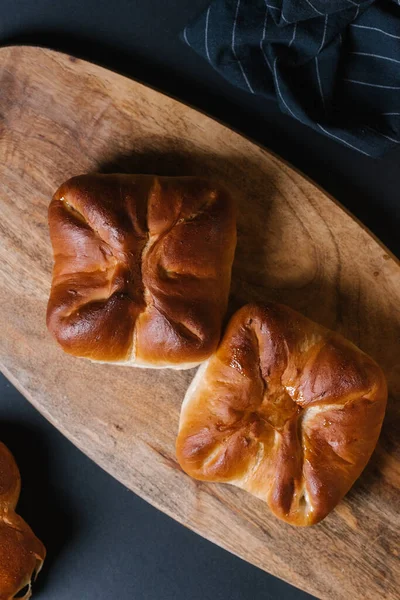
[(60, 116)]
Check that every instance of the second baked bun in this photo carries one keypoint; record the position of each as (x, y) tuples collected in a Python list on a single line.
[(286, 410), (142, 268)]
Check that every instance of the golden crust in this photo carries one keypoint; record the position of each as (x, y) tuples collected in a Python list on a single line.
[(142, 267), (285, 409), (21, 553)]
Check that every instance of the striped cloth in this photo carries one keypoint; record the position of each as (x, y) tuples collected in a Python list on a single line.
[(332, 64)]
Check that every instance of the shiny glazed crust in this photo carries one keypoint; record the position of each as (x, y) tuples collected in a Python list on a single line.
[(21, 553), (142, 268), (285, 409)]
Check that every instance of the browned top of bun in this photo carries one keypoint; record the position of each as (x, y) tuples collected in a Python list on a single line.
[(286, 410), (142, 267), (21, 553)]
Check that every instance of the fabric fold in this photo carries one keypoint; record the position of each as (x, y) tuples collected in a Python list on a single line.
[(334, 66)]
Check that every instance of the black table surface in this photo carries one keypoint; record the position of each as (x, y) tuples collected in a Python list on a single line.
[(103, 541)]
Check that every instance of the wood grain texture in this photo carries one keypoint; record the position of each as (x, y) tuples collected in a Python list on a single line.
[(59, 117)]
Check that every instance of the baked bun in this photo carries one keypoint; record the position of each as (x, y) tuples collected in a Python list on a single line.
[(21, 553), (285, 409), (142, 268)]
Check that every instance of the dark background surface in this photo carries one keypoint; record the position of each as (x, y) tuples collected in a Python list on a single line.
[(103, 541)]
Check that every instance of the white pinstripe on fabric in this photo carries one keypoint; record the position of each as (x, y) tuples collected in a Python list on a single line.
[(277, 8), (392, 113), (294, 34), (342, 140), (358, 7), (389, 138), (234, 51), (385, 136), (396, 37), (376, 56), (185, 36), (206, 34), (315, 9), (324, 35), (377, 85), (279, 91), (317, 63), (319, 83), (263, 38)]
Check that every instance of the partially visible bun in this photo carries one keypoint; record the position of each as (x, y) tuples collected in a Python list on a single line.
[(285, 409), (21, 553), (142, 268)]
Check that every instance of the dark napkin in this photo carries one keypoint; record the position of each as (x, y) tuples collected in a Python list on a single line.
[(332, 64)]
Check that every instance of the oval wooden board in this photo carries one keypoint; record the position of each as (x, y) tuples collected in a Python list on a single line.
[(59, 117)]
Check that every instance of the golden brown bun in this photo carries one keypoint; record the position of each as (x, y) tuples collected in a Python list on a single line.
[(142, 268), (21, 553), (286, 410)]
